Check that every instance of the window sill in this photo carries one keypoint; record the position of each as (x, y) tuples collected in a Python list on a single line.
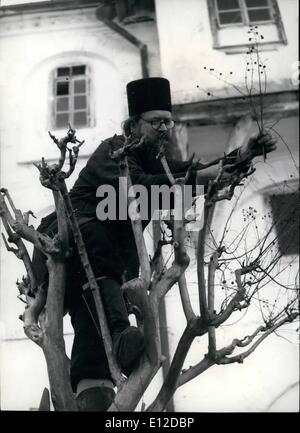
[(241, 49)]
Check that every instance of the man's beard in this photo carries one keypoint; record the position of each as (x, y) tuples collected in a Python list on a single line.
[(161, 142), (151, 147)]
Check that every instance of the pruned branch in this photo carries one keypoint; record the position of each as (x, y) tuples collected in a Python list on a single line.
[(21, 250), (143, 282), (62, 146)]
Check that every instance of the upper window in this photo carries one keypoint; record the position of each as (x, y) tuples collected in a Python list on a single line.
[(71, 97), (232, 12), (127, 11), (230, 20)]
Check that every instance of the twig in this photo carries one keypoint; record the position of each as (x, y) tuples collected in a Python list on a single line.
[(281, 394), (211, 303)]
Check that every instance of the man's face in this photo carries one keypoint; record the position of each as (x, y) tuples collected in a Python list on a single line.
[(151, 126)]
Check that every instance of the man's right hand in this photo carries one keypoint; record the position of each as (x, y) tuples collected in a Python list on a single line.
[(260, 144)]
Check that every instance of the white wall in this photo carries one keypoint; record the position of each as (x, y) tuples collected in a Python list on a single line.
[(186, 43)]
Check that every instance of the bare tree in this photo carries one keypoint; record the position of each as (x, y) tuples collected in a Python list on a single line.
[(233, 275)]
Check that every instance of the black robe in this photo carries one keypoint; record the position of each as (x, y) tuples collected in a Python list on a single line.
[(145, 169)]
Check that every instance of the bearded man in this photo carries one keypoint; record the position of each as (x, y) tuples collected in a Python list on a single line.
[(110, 244)]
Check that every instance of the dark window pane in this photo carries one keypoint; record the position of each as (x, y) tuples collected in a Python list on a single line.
[(79, 102), (78, 70), (62, 88), (285, 210), (259, 15), (62, 104), (80, 118), (230, 17), (63, 72), (255, 3), (227, 4), (79, 86), (62, 120)]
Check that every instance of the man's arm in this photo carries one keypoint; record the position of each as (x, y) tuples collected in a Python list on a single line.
[(240, 159)]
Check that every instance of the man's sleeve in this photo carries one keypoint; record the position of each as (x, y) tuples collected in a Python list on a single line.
[(234, 158), (177, 166), (138, 176)]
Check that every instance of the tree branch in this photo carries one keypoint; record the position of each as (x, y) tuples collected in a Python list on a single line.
[(169, 386), (213, 264), (239, 296), (208, 213), (222, 355), (143, 282), (196, 370), (185, 298), (19, 226)]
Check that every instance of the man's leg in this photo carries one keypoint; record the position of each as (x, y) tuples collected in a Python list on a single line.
[(94, 395), (128, 341), (88, 359), (90, 375)]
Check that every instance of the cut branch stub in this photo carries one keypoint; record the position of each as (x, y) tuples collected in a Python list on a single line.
[(52, 175), (129, 145)]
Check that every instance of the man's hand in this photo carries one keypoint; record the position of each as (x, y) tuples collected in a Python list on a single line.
[(262, 144)]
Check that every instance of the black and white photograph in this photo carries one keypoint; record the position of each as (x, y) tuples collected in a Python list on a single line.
[(149, 209)]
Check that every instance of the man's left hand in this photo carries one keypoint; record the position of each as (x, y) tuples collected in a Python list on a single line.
[(262, 144)]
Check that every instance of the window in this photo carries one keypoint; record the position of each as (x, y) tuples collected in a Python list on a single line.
[(127, 11), (71, 97), (232, 12), (285, 212), (230, 21)]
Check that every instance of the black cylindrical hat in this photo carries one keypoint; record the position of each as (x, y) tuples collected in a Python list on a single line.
[(148, 94)]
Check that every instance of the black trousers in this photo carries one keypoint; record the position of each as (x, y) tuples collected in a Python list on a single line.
[(111, 253)]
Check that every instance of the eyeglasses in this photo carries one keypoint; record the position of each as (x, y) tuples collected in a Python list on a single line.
[(156, 123)]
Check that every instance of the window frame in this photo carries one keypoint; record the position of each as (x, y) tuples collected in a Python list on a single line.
[(243, 9), (71, 95), (236, 48)]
